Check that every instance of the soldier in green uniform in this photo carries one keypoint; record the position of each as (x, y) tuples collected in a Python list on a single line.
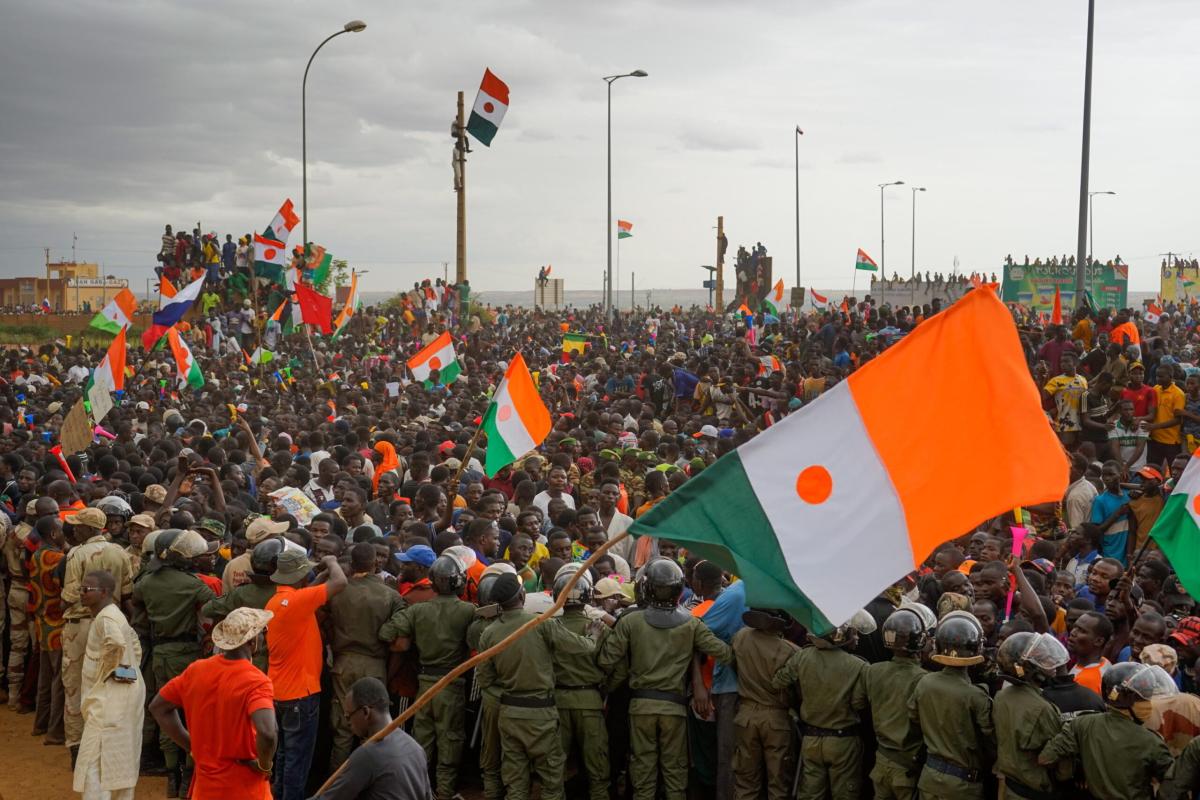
[(832, 697), (764, 753), (577, 682), (1025, 720), (1183, 779), (254, 594), (890, 684), (1120, 758), (356, 615), (659, 643), (170, 593), (954, 715), (438, 629), (525, 674), (489, 698)]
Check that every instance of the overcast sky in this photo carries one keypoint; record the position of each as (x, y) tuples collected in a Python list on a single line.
[(116, 117)]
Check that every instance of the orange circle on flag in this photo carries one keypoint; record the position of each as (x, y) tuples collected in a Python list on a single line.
[(435, 363), (1196, 504), (270, 253), (814, 484), (504, 413)]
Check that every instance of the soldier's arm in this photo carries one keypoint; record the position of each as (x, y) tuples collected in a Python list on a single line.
[(858, 695), (567, 643), (1063, 745), (218, 608), (71, 581), (614, 648), (786, 675), (398, 631), (707, 642), (1158, 758), (1183, 778), (485, 673)]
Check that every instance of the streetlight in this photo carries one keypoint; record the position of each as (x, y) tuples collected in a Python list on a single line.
[(1091, 224), (799, 133), (1085, 162), (353, 26), (912, 269), (608, 277), (882, 259)]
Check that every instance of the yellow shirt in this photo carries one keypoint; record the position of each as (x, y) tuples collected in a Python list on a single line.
[(1084, 332), (1169, 401)]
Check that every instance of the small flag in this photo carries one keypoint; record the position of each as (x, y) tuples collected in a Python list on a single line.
[(516, 420), (574, 343), (172, 311), (166, 290), (117, 314), (320, 268), (260, 356), (767, 365), (489, 108), (846, 462), (315, 308), (1177, 530), (624, 229), (864, 261), (778, 290), (439, 355), (745, 311), (46, 305), (281, 226), (352, 304), (189, 370), (1153, 313), (817, 298), (1056, 314), (270, 258), (110, 375)]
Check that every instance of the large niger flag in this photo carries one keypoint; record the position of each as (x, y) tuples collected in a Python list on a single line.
[(1177, 529), (829, 507), (517, 420), (439, 355)]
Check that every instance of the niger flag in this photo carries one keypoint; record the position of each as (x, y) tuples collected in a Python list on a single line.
[(793, 511)]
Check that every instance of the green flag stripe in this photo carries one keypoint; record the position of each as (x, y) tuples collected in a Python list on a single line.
[(717, 516), (498, 454)]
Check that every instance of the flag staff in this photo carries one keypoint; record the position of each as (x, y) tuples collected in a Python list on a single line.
[(461, 148)]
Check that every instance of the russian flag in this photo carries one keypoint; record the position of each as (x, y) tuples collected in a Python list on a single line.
[(170, 312)]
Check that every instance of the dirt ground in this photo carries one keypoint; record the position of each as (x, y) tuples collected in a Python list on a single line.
[(30, 770)]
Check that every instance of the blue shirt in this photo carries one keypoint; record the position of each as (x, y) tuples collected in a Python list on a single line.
[(1114, 541), (724, 619)]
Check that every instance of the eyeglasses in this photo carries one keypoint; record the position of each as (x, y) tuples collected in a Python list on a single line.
[(350, 714), (89, 589)]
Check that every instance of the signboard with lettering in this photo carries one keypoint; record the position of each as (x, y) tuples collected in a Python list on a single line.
[(1032, 285)]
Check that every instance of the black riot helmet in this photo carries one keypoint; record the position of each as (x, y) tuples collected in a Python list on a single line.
[(264, 556), (447, 576), (959, 640), (663, 583), (581, 592), (904, 632)]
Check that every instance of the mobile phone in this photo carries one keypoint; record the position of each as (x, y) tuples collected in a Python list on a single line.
[(125, 674)]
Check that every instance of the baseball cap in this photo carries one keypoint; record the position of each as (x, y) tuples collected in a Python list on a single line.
[(1187, 633), (263, 528), (707, 430), (242, 625), (143, 406), (211, 526), (92, 517), (1150, 473), (419, 554)]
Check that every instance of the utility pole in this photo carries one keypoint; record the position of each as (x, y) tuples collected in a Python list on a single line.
[(1081, 255), (461, 148), (632, 292), (721, 245), (74, 239)]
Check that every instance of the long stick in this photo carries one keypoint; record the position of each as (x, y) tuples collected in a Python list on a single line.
[(458, 476), (486, 655)]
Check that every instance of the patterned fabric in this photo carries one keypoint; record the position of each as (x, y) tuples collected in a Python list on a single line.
[(45, 598)]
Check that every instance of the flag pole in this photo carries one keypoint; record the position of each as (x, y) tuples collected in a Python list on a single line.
[(488, 654), (460, 158)]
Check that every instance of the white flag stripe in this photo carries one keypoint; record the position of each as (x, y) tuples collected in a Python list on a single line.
[(821, 541), (509, 423)]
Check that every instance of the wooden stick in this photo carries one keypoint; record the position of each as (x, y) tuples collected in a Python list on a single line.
[(486, 655)]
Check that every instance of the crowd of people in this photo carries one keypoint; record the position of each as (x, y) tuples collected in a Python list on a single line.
[(236, 585)]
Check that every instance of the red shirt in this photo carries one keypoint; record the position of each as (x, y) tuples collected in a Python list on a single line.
[(295, 641), (218, 695), (1143, 397)]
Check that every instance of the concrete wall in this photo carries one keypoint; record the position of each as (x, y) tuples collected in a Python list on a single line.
[(900, 294)]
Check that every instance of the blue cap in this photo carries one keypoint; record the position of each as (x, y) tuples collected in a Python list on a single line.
[(420, 553)]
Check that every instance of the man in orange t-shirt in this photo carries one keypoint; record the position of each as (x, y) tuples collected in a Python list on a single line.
[(294, 642), (230, 712)]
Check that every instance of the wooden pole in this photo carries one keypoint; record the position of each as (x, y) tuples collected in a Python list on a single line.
[(460, 155), (488, 654)]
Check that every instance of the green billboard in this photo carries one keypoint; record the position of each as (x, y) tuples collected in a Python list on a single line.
[(1032, 285)]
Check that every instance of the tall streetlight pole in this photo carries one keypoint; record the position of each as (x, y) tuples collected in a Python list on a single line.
[(799, 133), (608, 234), (882, 258), (912, 269), (1081, 241), (1092, 223), (353, 26)]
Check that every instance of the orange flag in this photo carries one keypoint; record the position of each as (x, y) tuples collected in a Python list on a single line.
[(1056, 314)]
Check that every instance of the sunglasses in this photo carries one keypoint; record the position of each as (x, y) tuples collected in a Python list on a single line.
[(90, 589), (350, 714)]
